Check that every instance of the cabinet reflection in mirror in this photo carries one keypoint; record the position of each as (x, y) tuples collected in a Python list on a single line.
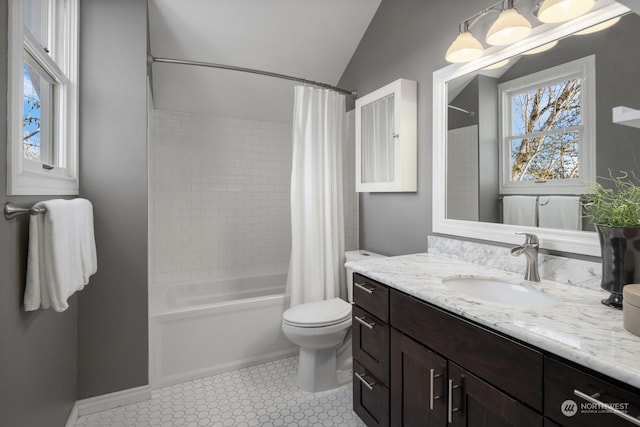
[(526, 137)]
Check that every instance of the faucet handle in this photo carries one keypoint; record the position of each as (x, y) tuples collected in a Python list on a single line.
[(529, 238)]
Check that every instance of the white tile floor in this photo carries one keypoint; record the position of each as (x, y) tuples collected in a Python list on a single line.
[(262, 395)]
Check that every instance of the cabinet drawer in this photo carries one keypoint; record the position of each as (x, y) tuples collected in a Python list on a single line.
[(561, 382), (371, 344), (370, 397), (372, 296), (507, 364)]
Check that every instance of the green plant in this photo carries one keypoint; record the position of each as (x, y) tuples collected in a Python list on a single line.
[(617, 205)]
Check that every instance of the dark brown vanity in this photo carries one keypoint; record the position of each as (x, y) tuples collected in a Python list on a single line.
[(418, 365)]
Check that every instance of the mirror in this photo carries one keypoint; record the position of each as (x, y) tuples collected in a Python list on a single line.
[(378, 130), (484, 164)]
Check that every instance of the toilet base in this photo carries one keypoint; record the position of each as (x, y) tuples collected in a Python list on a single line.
[(317, 369)]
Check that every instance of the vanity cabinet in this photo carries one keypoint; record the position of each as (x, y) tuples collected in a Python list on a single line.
[(370, 340), (566, 385), (418, 365), (386, 138)]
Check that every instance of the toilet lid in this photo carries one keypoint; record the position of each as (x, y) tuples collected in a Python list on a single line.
[(318, 314)]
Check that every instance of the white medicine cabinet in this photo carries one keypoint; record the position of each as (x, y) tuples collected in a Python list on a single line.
[(386, 138)]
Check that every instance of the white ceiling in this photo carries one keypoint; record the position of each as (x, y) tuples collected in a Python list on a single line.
[(312, 39)]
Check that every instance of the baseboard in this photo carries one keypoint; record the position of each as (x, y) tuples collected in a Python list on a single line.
[(73, 416), (221, 368), (112, 400)]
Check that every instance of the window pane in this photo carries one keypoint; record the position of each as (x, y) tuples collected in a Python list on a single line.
[(554, 156), (36, 140), (553, 106), (36, 19)]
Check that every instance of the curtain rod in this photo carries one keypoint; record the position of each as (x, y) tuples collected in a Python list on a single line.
[(152, 59)]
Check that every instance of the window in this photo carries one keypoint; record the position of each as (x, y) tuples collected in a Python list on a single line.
[(43, 97), (548, 130)]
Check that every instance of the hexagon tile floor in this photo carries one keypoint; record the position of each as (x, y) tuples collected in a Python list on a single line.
[(262, 395)]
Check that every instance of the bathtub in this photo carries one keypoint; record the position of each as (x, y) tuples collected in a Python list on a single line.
[(204, 328)]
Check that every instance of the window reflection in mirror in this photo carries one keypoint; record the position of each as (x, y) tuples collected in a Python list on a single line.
[(526, 132)]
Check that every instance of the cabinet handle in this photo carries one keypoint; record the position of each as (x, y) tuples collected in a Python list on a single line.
[(606, 407), (450, 408), (364, 288), (363, 321), (366, 383), (432, 377)]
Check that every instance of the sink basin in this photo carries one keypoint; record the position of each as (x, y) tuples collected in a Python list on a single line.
[(500, 291)]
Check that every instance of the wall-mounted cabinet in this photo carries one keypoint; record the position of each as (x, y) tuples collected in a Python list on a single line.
[(386, 139)]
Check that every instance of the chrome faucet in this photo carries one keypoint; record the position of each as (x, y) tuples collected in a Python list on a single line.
[(530, 250)]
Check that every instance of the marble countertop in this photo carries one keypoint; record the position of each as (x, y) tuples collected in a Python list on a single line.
[(578, 328)]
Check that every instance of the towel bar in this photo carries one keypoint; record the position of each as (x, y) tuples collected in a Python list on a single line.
[(11, 211)]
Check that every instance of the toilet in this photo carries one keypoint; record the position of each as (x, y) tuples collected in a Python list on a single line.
[(322, 330)]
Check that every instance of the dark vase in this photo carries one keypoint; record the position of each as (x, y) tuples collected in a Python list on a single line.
[(620, 249)]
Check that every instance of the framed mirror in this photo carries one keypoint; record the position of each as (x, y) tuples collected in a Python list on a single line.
[(553, 91)]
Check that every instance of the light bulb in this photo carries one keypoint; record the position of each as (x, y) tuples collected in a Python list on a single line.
[(553, 11), (464, 48), (510, 27)]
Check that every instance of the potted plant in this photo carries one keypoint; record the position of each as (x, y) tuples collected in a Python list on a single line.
[(614, 209)]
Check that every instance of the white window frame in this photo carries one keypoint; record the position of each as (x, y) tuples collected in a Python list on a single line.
[(583, 68), (25, 176)]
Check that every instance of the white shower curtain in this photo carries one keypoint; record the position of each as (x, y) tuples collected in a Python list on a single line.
[(316, 268)]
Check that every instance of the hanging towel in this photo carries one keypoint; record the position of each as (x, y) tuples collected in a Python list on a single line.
[(564, 212), (519, 210), (62, 253)]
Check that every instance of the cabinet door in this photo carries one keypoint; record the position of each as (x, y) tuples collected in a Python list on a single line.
[(473, 403), (418, 384)]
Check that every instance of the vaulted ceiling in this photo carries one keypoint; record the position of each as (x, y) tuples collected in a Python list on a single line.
[(312, 39)]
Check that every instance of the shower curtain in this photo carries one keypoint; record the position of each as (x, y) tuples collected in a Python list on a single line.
[(316, 268)]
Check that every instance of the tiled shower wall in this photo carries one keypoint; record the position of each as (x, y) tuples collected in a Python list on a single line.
[(219, 191)]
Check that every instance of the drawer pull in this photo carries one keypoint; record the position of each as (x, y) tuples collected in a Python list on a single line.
[(432, 377), (366, 383), (364, 288), (606, 407), (451, 409), (363, 321)]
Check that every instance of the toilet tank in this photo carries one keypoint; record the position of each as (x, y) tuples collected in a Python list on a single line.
[(351, 256)]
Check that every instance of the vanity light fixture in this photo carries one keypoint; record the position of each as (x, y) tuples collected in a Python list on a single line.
[(510, 27), (599, 27), (553, 11), (542, 48), (465, 47)]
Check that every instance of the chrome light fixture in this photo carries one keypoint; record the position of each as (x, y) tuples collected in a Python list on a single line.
[(465, 47), (553, 11), (510, 27)]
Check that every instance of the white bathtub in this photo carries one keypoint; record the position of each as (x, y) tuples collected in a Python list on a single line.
[(200, 329)]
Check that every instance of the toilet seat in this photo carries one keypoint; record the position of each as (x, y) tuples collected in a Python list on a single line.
[(318, 314)]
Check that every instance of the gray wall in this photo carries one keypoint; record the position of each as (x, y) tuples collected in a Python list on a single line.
[(406, 39), (113, 315), (37, 349)]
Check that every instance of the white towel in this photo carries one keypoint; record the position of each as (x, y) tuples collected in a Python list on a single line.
[(519, 210), (62, 253), (564, 212)]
